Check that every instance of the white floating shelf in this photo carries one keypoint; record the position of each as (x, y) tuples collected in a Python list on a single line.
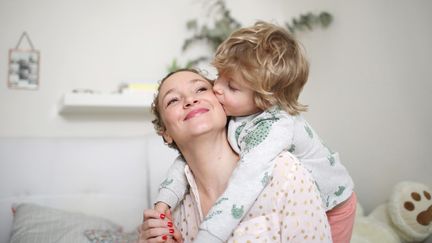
[(133, 103)]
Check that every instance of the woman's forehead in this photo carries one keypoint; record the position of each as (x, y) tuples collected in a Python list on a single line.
[(185, 76), (181, 79)]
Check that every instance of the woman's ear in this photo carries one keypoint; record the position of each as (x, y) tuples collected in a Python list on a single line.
[(167, 138)]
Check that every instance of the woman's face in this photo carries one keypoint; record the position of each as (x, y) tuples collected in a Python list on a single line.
[(189, 108)]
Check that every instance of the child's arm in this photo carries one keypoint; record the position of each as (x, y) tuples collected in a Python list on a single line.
[(173, 188), (260, 140)]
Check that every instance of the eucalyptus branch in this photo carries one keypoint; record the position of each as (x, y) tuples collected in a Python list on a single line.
[(225, 24), (308, 21)]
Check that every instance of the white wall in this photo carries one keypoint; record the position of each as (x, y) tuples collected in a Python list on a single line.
[(370, 88), (368, 92)]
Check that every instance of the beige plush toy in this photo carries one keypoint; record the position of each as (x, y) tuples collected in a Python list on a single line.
[(406, 217)]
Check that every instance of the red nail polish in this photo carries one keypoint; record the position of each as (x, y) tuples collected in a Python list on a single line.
[(170, 224), (162, 216), (171, 231), (164, 237)]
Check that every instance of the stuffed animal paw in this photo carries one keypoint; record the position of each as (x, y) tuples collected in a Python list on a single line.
[(405, 217), (410, 210)]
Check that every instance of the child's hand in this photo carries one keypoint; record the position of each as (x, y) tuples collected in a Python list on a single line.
[(157, 227), (161, 207)]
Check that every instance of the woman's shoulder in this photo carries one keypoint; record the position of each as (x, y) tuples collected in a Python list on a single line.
[(291, 171), (287, 162), (290, 197)]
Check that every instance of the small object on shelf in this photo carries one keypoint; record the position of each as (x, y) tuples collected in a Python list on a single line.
[(104, 103), (137, 87)]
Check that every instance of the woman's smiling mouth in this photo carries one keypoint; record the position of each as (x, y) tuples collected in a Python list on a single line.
[(195, 112)]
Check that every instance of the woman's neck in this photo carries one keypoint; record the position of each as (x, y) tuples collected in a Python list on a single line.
[(212, 162)]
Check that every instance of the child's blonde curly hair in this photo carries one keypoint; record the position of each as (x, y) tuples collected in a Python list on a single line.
[(270, 60)]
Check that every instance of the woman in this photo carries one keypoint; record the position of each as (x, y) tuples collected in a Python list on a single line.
[(190, 118)]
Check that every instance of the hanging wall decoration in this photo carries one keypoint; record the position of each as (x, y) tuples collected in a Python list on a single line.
[(24, 66)]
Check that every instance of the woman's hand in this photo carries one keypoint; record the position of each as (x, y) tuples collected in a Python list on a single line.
[(158, 227), (161, 207)]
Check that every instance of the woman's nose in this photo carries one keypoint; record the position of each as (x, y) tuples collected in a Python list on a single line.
[(189, 101)]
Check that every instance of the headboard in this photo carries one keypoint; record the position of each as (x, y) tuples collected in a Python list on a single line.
[(115, 178)]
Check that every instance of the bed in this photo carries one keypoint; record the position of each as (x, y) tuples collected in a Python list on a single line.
[(88, 185)]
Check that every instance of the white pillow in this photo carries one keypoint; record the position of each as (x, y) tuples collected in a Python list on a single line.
[(34, 223)]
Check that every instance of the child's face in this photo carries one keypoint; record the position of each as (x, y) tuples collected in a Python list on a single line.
[(236, 98)]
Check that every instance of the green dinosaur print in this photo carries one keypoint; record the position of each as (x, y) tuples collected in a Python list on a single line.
[(211, 215), (265, 180), (331, 159), (220, 201), (239, 130), (292, 148), (274, 110), (258, 130), (309, 131), (258, 135), (236, 212), (340, 191), (166, 182)]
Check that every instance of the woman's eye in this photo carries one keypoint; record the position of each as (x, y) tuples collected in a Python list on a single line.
[(171, 101), (201, 89)]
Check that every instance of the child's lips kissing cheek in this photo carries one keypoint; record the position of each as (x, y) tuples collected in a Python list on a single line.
[(223, 106)]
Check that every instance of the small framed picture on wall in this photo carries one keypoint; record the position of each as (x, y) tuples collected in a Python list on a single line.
[(24, 65), (23, 69)]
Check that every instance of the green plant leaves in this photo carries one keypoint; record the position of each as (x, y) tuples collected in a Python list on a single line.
[(308, 21), (225, 24)]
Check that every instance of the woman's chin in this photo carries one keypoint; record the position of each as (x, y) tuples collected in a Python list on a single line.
[(202, 128), (199, 129)]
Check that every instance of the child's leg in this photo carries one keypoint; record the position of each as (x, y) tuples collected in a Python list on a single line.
[(341, 220)]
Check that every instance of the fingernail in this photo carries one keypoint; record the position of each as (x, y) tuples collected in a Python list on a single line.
[(170, 224), (164, 237), (162, 216), (171, 231)]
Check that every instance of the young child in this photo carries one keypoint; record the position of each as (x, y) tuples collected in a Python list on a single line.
[(262, 70)]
